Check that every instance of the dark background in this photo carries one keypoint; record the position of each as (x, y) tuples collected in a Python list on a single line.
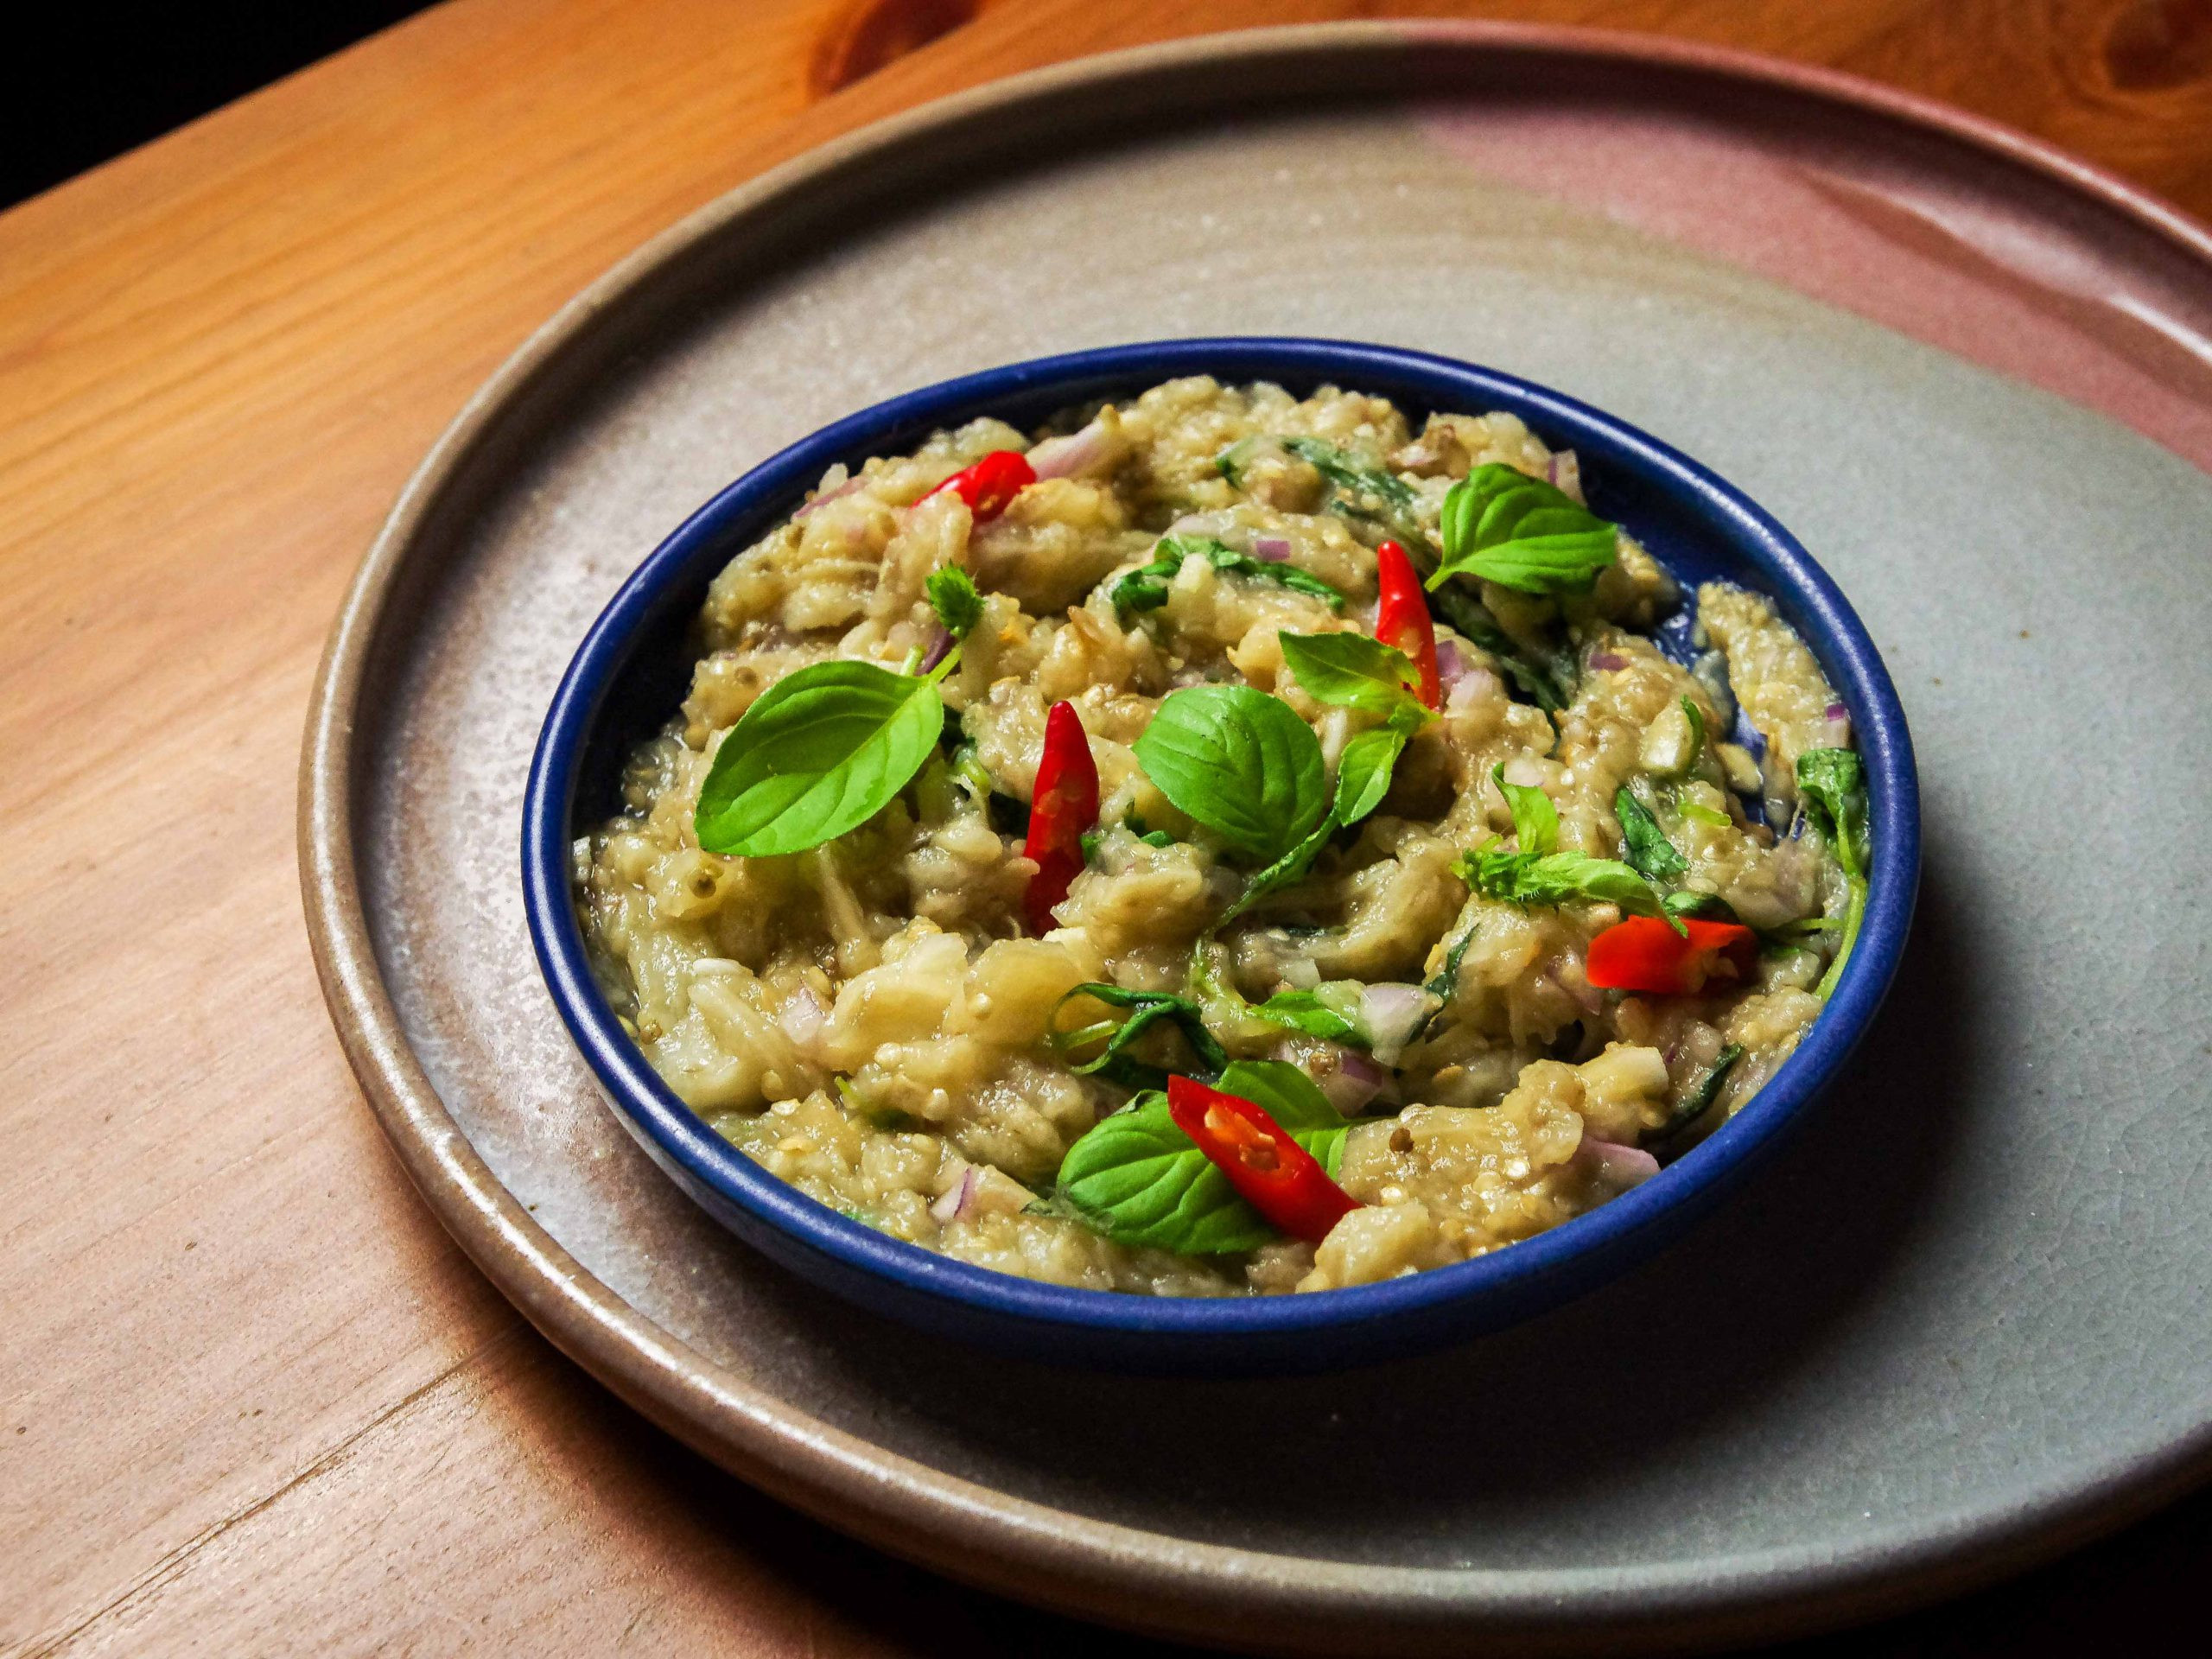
[(105, 79)]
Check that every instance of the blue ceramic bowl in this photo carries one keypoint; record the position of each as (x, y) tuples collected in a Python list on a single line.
[(633, 669)]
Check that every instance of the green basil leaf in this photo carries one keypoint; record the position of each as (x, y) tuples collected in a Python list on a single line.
[(1363, 772), (1644, 844), (1536, 820), (1139, 1179), (1146, 588), (1240, 762), (952, 596), (1283, 1091), (1146, 1009), (822, 751), (1307, 1012), (1499, 524), (1292, 866), (1349, 671)]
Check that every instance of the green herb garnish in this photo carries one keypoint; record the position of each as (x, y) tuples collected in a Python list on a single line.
[(1698, 1099), (1546, 679), (1139, 1179), (1331, 1012), (822, 751), (1499, 524), (1349, 671), (1536, 874), (1363, 779), (1239, 762), (1832, 784), (1146, 1009), (956, 601), (1645, 845), (1144, 589)]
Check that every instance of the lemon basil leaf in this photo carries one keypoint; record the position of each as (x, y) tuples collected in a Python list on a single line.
[(822, 751), (1645, 845), (1285, 870), (1146, 588), (1501, 525), (1241, 763), (952, 596), (1349, 671), (1536, 820), (1139, 1179)]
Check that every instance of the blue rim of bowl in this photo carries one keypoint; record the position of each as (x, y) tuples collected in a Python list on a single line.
[(755, 502)]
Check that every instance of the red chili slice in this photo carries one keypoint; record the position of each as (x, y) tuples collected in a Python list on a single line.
[(1275, 1175), (990, 484), (1402, 619), (1064, 806), (1645, 954)]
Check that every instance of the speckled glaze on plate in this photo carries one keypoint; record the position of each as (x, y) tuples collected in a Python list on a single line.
[(1957, 1326)]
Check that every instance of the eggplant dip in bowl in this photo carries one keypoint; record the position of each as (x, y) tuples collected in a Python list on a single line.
[(1225, 843)]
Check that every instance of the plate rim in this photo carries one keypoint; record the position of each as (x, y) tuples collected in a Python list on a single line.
[(968, 1530)]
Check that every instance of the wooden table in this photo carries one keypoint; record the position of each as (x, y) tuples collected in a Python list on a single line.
[(254, 1400)]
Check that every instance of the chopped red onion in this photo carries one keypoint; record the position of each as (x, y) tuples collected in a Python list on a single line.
[(1624, 1166), (940, 648), (1274, 549), (1474, 686), (953, 1202), (1451, 666), (1391, 1015), (1607, 661), (1080, 452), (1355, 1081), (1837, 734), (827, 496), (802, 1016), (1835, 711)]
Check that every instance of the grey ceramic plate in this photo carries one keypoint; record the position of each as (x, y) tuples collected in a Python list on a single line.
[(1959, 1327)]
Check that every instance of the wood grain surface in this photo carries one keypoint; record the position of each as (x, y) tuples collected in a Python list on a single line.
[(251, 1399)]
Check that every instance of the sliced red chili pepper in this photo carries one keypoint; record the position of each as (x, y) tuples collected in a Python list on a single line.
[(1065, 804), (1271, 1171), (1402, 619), (1645, 954), (990, 484)]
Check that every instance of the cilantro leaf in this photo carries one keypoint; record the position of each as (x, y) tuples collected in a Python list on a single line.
[(1832, 784), (952, 596), (1499, 524)]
